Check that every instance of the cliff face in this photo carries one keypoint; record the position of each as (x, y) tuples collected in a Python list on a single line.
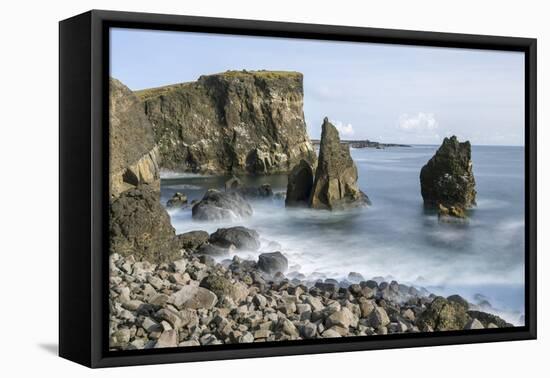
[(133, 153), (233, 122)]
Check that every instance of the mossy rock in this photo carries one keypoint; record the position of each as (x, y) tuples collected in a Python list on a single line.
[(444, 315)]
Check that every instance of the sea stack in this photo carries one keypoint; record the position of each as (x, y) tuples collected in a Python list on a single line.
[(447, 181), (335, 185)]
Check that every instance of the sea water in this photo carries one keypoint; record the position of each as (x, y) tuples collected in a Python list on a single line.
[(395, 238)]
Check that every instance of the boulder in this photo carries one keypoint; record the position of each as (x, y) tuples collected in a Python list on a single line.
[(241, 237), (272, 262), (168, 339), (214, 250), (233, 183), (216, 205), (178, 200), (447, 180), (444, 315), (194, 297), (134, 156), (140, 226), (300, 183), (192, 240), (223, 287), (378, 317), (474, 324), (238, 122), (335, 185)]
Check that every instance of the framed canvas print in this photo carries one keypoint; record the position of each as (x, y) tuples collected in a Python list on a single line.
[(233, 188)]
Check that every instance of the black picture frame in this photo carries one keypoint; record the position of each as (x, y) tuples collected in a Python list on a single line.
[(83, 181)]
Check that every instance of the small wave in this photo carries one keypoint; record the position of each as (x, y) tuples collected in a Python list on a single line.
[(168, 174)]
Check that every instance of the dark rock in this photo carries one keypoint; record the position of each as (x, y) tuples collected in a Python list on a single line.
[(133, 157), (486, 319), (216, 205), (458, 299), (140, 226), (236, 122), (273, 262), (444, 315), (355, 277), (447, 181), (265, 191), (213, 250), (233, 183), (192, 240), (177, 200), (335, 185), (241, 237), (300, 183)]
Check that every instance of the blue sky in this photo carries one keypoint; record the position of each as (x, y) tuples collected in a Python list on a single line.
[(387, 93)]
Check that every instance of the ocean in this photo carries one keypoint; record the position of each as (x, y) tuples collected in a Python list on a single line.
[(395, 238)]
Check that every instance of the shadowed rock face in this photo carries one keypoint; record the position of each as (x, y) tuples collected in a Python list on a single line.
[(133, 153), (300, 183), (447, 180), (335, 185), (234, 122)]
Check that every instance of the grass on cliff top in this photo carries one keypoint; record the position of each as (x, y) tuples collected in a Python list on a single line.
[(261, 73), (145, 94)]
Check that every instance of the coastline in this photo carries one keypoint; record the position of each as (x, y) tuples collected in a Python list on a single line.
[(198, 301)]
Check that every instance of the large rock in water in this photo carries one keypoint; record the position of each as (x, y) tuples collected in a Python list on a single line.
[(216, 205), (300, 183), (241, 237), (335, 185), (447, 181), (444, 315), (140, 226), (133, 152), (249, 122)]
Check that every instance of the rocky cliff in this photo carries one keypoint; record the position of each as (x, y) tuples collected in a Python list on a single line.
[(335, 185), (447, 180), (248, 122), (133, 153)]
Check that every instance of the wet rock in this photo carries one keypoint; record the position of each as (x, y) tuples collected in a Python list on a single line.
[(447, 181), (178, 200), (216, 205), (214, 250), (272, 262), (300, 184), (335, 184), (233, 183), (241, 237)]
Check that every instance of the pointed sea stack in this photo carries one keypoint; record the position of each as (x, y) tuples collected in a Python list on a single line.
[(447, 181), (335, 185)]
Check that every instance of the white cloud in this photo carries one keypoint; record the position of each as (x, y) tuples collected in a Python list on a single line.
[(344, 129), (420, 122)]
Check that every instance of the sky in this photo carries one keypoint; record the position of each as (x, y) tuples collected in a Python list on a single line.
[(381, 92)]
